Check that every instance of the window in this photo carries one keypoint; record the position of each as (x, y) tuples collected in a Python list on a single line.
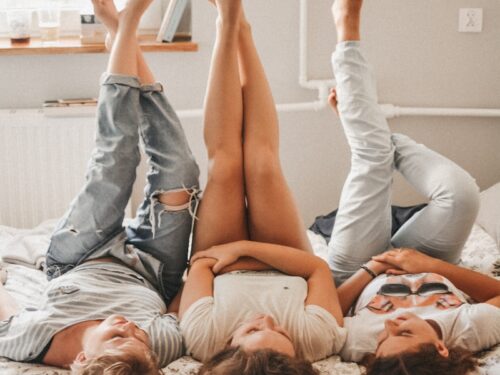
[(70, 14)]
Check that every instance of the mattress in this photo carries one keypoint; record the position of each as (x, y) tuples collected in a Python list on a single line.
[(480, 254)]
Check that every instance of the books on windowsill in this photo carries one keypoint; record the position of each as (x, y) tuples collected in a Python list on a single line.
[(176, 22), (70, 107)]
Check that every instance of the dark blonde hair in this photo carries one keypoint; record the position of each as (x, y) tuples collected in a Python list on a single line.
[(236, 361), (425, 361), (115, 362)]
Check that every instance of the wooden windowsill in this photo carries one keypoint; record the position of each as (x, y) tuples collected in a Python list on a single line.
[(72, 45)]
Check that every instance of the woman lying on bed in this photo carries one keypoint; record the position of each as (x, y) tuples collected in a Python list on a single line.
[(415, 318), (104, 310), (248, 221)]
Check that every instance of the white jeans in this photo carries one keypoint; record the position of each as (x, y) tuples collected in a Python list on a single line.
[(363, 224)]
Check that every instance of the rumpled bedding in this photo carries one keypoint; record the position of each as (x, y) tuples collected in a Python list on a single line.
[(26, 248)]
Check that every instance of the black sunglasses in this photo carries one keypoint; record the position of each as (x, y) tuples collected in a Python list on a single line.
[(402, 290)]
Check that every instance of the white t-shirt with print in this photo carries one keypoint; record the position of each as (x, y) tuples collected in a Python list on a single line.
[(209, 323), (470, 326)]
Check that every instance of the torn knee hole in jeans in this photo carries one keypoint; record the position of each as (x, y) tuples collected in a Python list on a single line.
[(191, 194)]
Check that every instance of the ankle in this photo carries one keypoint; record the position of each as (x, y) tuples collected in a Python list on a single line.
[(129, 23), (245, 26), (347, 26), (227, 27)]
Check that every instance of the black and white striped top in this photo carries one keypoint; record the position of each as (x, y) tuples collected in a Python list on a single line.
[(92, 291)]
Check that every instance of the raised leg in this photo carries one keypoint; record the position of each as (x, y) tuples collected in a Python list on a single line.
[(107, 13), (222, 216), (163, 223), (272, 212), (363, 225), (95, 216), (440, 229)]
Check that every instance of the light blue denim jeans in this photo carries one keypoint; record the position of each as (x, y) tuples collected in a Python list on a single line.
[(363, 224), (156, 242)]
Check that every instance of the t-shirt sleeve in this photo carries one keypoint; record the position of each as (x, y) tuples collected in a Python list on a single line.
[(321, 335), (473, 326), (199, 329), (166, 338)]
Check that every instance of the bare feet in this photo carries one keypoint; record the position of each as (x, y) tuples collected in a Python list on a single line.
[(332, 100), (133, 11), (106, 12), (346, 15)]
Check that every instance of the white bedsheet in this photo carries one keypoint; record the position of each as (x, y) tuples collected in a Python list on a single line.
[(480, 253)]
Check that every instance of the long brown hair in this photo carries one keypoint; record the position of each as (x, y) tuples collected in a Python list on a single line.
[(425, 361), (236, 361)]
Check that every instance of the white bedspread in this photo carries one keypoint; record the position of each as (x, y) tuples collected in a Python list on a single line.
[(480, 253)]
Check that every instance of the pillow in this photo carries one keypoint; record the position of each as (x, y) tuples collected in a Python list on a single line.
[(489, 212)]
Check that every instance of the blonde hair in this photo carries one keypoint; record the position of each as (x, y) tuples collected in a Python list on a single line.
[(116, 362)]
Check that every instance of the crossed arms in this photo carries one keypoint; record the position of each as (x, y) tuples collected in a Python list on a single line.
[(219, 259)]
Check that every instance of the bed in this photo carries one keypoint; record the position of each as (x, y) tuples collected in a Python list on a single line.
[(481, 253)]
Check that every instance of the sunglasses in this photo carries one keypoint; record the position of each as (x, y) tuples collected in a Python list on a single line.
[(402, 290)]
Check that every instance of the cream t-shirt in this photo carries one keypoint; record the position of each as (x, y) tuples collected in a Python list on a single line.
[(209, 323)]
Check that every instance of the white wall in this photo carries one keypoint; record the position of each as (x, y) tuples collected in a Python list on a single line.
[(420, 60)]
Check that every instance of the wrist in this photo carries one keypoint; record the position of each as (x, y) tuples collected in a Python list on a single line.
[(368, 270), (203, 263), (436, 265), (376, 267), (242, 249)]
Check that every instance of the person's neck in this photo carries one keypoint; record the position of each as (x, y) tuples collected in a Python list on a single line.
[(67, 344), (436, 328)]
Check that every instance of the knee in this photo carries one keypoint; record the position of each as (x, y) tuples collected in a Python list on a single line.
[(461, 192), (262, 166), (175, 200), (225, 168)]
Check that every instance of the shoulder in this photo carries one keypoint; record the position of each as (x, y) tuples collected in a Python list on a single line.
[(471, 326), (319, 335), (362, 333), (204, 335), (166, 338)]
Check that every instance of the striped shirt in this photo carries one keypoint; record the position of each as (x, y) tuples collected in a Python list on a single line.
[(92, 291)]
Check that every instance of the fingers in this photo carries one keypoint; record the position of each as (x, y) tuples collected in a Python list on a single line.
[(396, 272), (385, 257), (218, 267)]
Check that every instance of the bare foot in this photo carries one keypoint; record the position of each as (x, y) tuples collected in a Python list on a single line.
[(133, 11), (332, 100), (346, 15), (106, 12)]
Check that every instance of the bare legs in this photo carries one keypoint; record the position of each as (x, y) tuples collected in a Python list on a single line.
[(222, 211), (272, 213), (346, 14), (242, 138)]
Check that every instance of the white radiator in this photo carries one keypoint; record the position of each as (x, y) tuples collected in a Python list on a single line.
[(42, 164)]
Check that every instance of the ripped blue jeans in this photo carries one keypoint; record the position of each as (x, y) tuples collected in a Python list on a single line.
[(155, 243)]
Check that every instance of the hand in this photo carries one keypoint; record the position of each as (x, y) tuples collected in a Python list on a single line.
[(225, 255), (332, 100), (406, 261)]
